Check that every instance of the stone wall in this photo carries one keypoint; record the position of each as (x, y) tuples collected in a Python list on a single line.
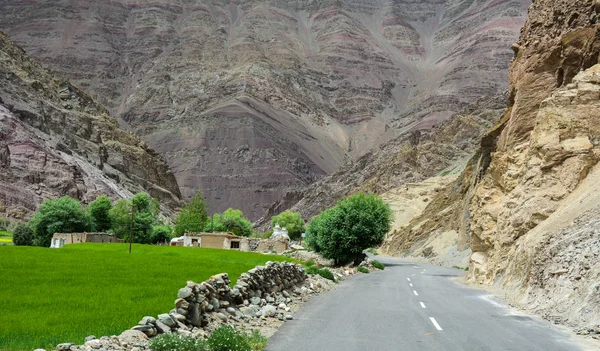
[(60, 239), (258, 292), (263, 245)]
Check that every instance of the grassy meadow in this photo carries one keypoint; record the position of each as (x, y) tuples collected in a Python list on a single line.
[(50, 296), (5, 238)]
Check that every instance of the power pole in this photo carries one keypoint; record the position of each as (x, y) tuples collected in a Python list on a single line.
[(131, 226)]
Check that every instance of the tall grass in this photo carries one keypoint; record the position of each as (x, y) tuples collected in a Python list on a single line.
[(50, 296), (6, 238)]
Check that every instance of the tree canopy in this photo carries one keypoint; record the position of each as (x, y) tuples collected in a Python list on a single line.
[(356, 223), (98, 211), (192, 217), (64, 215), (230, 221), (146, 212)]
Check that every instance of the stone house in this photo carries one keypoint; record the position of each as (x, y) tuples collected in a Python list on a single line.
[(61, 239), (230, 241)]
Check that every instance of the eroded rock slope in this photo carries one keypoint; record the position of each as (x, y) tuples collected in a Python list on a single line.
[(249, 99), (55, 140), (526, 203)]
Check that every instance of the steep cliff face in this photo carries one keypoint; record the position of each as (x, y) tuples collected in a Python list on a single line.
[(410, 158), (249, 99), (525, 205), (55, 141)]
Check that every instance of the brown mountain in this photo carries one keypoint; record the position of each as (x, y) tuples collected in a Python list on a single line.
[(525, 209), (55, 140), (249, 99)]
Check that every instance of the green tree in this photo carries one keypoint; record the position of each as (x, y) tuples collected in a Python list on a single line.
[(192, 217), (356, 223), (230, 221), (146, 211), (292, 221), (98, 210), (161, 234), (23, 235), (64, 215)]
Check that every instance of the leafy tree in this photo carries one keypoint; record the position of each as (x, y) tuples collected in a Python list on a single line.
[(230, 221), (356, 223), (64, 215), (146, 211), (292, 221), (23, 235), (98, 210), (161, 234), (192, 217)]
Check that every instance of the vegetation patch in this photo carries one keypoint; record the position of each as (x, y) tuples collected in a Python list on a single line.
[(323, 272), (223, 339), (363, 269), (51, 296), (378, 265)]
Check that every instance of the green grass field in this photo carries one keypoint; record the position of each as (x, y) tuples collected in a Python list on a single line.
[(5, 238), (50, 296)]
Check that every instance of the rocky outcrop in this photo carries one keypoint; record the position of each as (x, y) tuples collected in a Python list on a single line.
[(516, 205), (55, 140), (250, 99), (409, 158)]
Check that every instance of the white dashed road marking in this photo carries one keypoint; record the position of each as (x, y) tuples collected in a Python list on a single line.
[(408, 279), (410, 284), (435, 323), (422, 304), (415, 293)]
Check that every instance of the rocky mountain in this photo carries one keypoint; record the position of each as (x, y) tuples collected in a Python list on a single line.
[(249, 99), (55, 140), (525, 207), (409, 158)]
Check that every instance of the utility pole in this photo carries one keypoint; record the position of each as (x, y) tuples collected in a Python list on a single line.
[(131, 226)]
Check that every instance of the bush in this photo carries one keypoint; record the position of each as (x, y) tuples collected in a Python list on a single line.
[(174, 342), (64, 215), (256, 341), (356, 223), (230, 221), (378, 265), (23, 235), (98, 211), (227, 339), (192, 217), (292, 221), (363, 269), (161, 234), (323, 272)]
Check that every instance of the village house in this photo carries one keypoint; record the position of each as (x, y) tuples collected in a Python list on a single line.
[(61, 239)]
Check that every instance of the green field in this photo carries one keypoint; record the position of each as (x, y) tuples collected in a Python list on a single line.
[(50, 296), (5, 238)]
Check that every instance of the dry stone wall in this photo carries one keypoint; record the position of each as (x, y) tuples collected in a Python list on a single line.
[(262, 291)]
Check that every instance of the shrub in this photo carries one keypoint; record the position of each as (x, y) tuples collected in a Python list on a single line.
[(161, 234), (23, 235), (363, 269), (230, 221), (378, 265), (174, 342), (292, 221), (98, 211), (192, 217), (323, 272), (64, 215), (356, 223), (256, 341), (373, 251), (227, 339)]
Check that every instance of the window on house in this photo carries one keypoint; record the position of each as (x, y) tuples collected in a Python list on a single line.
[(235, 244)]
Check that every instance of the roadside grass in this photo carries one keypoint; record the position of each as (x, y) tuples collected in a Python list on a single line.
[(6, 238), (51, 296)]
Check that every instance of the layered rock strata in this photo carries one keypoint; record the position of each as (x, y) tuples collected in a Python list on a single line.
[(515, 205), (55, 140), (249, 99)]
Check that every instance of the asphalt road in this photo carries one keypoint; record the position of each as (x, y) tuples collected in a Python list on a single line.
[(413, 306)]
